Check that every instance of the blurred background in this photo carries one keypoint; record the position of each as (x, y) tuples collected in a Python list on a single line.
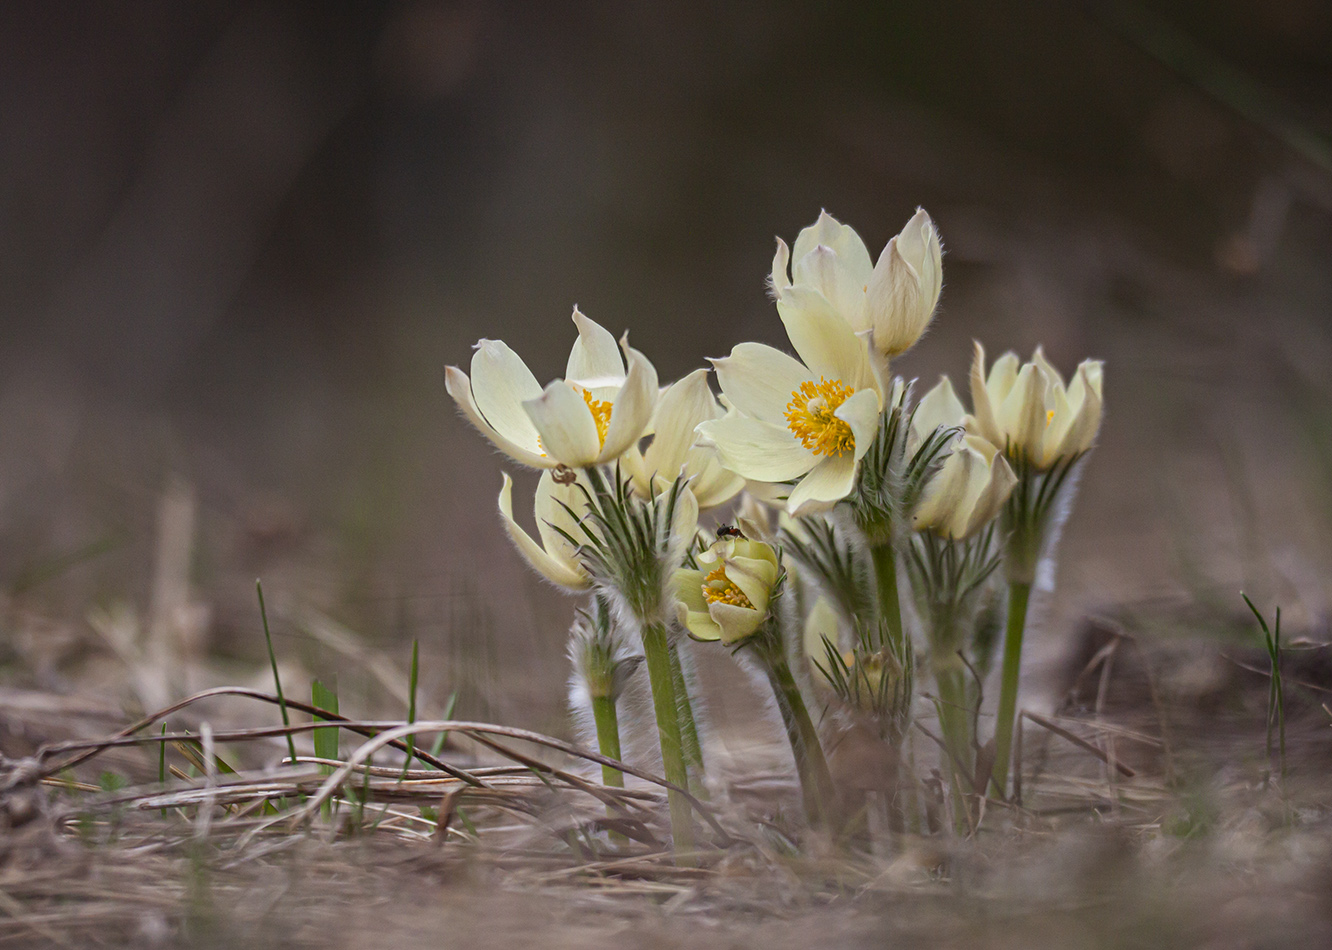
[(239, 241)]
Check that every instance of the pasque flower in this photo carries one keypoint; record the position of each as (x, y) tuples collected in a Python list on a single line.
[(811, 421), (597, 412), (554, 557), (728, 599), (893, 300), (974, 482), (682, 407), (1026, 410)]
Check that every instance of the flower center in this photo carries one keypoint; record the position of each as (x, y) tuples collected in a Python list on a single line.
[(809, 415), (718, 589), (601, 413)]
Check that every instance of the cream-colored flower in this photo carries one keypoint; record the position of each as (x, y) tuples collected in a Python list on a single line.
[(728, 600), (593, 415), (554, 558), (821, 622), (789, 420), (682, 407), (974, 482), (893, 300), (1027, 411)]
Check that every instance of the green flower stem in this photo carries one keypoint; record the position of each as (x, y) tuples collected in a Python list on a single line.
[(693, 749), (1019, 592), (608, 738), (890, 603), (656, 651), (816, 784), (953, 720)]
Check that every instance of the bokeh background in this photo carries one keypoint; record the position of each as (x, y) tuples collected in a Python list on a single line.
[(240, 240)]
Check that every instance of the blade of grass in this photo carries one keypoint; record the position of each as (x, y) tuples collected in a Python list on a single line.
[(272, 659)]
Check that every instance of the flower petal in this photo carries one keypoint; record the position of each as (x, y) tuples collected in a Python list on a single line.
[(631, 411), (460, 388), (595, 359), (568, 431), (553, 569), (861, 413), (1022, 416), (757, 450), (683, 405), (699, 624), (827, 483), (688, 588), (736, 623), (754, 577), (938, 407), (760, 380), (501, 383), (780, 278), (552, 517), (842, 240), (827, 343)]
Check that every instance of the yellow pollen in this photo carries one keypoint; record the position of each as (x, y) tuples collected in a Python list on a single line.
[(1049, 416), (601, 413), (717, 588), (809, 415)]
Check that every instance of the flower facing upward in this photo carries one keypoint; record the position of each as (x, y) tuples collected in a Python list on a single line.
[(811, 421), (893, 300), (554, 557), (682, 407), (974, 482), (728, 599), (593, 415), (1028, 412)]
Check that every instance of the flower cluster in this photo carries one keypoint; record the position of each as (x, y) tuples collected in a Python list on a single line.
[(950, 493)]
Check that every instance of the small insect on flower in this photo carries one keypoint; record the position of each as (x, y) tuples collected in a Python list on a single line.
[(729, 531)]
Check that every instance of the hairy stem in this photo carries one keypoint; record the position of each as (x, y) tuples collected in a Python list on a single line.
[(656, 651), (954, 721), (693, 749), (816, 784), (1019, 592), (890, 602), (608, 738)]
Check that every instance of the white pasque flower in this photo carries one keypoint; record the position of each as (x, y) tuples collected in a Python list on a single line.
[(730, 601), (970, 488), (813, 421), (554, 558), (1027, 411), (681, 408), (591, 416), (894, 299)]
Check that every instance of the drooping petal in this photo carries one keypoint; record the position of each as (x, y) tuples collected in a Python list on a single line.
[(755, 449), (501, 383), (568, 431), (460, 388), (631, 411), (552, 517), (760, 380), (553, 569), (594, 360), (826, 484), (827, 343), (861, 413)]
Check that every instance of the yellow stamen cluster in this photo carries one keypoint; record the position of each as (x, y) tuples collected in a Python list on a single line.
[(718, 588), (809, 415), (601, 413)]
